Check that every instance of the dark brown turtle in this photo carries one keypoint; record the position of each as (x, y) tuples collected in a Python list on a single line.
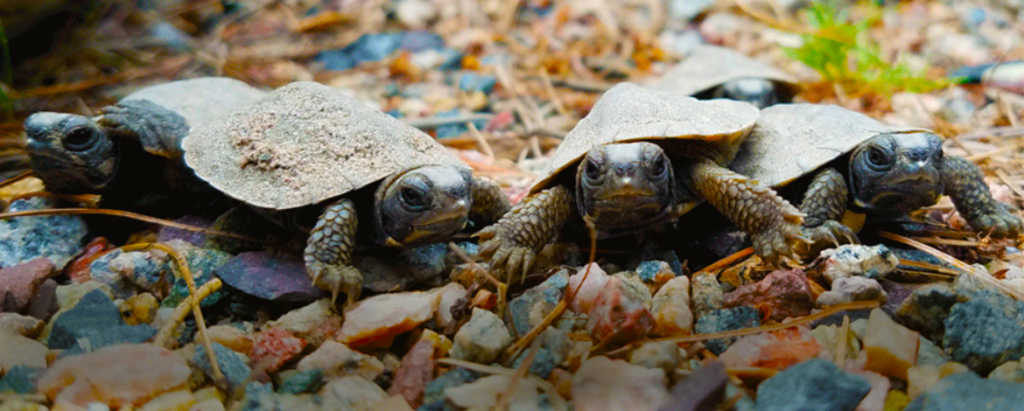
[(858, 164), (131, 152)]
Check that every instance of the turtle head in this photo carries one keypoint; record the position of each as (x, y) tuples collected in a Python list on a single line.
[(757, 91), (70, 153), (896, 173), (625, 185), (423, 205)]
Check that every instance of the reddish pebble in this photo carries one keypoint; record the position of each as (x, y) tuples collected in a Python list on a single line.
[(19, 283), (416, 371), (776, 350), (782, 293), (78, 269), (621, 311), (484, 299), (274, 347)]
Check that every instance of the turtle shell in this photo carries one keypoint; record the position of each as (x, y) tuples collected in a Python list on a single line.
[(791, 140), (305, 143), (200, 100), (682, 125), (707, 67)]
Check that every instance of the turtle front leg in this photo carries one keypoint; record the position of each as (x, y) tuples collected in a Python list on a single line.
[(489, 203), (964, 184), (513, 242), (158, 129), (329, 252), (772, 222), (824, 204)]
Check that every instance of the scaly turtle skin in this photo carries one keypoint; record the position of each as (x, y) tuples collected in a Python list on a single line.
[(323, 162), (864, 166), (641, 158), (718, 72), (131, 153)]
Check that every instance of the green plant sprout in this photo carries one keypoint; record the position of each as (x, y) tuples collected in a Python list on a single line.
[(843, 52)]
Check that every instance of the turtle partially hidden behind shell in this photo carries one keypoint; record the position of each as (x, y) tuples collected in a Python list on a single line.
[(864, 166), (717, 72), (131, 153), (638, 159), (323, 162)]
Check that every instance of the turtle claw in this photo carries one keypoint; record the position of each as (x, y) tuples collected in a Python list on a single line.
[(831, 232), (505, 254), (1001, 223), (336, 279)]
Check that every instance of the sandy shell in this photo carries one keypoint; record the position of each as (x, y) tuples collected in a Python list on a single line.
[(200, 100), (790, 140), (305, 143), (711, 66), (679, 123)]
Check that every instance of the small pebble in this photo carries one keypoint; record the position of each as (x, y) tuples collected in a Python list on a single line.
[(850, 289), (584, 295), (482, 339), (378, 319), (315, 322), (927, 308), (353, 391), (671, 308), (777, 350), (19, 282), (664, 355), (985, 331), (891, 348), (336, 359), (707, 294), (231, 337), (529, 308), (815, 384), (857, 260), (783, 293), (969, 392), (621, 311), (269, 276), (20, 379), (20, 351), (234, 366), (56, 238), (416, 371), (298, 382), (17, 324), (726, 319), (605, 384), (116, 376), (483, 394), (273, 347)]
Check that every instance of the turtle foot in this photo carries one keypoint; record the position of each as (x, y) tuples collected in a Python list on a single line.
[(1001, 223), (337, 278), (504, 253)]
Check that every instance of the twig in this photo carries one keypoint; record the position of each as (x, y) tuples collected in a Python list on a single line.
[(481, 142), (437, 121), (121, 213), (983, 276), (17, 178)]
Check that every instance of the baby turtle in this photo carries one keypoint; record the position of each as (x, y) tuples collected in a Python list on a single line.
[(862, 165), (717, 72), (131, 153), (640, 158), (321, 161)]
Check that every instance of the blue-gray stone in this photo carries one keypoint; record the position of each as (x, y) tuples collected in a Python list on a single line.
[(376, 47), (202, 263), (259, 397), (231, 364), (95, 311), (726, 319), (542, 365), (387, 269), (93, 339), (20, 379), (926, 309), (170, 36), (302, 381), (434, 391), (549, 292), (57, 238), (969, 392), (132, 270), (471, 81), (455, 130), (812, 385), (985, 331), (648, 270)]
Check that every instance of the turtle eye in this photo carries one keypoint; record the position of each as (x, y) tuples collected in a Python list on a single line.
[(79, 139), (413, 199), (660, 167), (877, 158), (592, 170)]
